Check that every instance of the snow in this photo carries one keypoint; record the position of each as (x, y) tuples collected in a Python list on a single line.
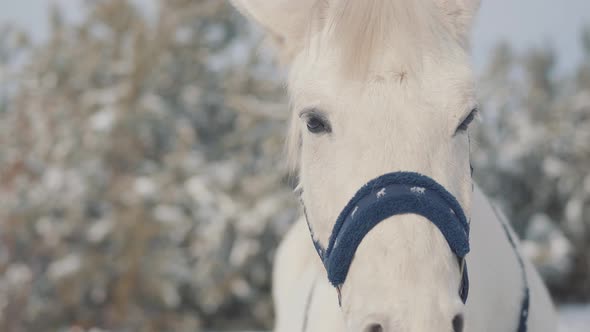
[(65, 267), (103, 120)]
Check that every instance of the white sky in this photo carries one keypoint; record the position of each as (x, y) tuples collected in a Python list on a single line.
[(532, 23), (525, 23)]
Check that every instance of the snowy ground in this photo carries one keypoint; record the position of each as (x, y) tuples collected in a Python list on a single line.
[(574, 318)]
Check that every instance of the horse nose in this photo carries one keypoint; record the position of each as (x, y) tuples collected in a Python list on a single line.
[(374, 327), (376, 324), (458, 323)]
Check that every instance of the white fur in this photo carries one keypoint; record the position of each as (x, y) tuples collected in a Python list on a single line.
[(393, 78)]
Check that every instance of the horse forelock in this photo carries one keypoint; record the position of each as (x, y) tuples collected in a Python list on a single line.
[(377, 38)]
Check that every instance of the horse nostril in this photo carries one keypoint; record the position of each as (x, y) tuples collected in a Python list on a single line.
[(458, 323), (376, 327)]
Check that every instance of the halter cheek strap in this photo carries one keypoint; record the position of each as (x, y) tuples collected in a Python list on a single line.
[(386, 196)]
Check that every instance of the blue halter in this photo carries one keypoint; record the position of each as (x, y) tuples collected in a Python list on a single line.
[(386, 196)]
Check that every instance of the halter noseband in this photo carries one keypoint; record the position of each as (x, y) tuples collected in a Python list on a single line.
[(390, 195)]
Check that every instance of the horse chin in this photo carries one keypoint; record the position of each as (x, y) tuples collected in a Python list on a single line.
[(403, 278)]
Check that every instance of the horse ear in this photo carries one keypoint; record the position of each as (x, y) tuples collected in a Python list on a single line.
[(460, 15), (286, 21)]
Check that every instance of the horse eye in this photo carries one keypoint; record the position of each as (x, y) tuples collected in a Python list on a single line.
[(317, 125), (467, 121)]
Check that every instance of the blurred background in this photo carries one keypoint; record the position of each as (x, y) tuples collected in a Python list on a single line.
[(141, 178)]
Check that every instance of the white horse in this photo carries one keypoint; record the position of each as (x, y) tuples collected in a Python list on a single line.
[(382, 86)]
